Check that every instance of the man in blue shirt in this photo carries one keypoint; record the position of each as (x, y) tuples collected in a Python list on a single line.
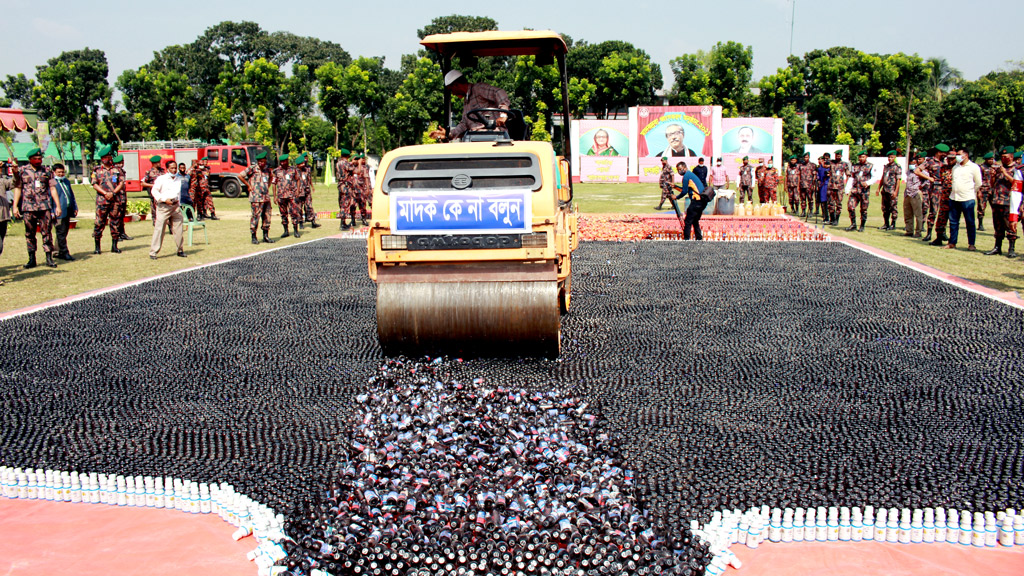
[(701, 171), (824, 172), (694, 189)]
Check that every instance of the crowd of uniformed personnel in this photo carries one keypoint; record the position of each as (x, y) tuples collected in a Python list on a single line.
[(817, 189), (355, 189)]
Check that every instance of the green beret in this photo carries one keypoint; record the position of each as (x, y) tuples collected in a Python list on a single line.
[(1007, 150), (118, 158), (344, 152), (793, 156), (746, 157), (892, 153), (839, 153), (35, 151), (106, 150), (301, 158), (261, 155), (1018, 154), (942, 148), (155, 159), (664, 159), (989, 156), (282, 157), (807, 153), (862, 153)]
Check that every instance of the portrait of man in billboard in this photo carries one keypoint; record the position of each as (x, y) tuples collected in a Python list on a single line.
[(675, 135), (744, 137)]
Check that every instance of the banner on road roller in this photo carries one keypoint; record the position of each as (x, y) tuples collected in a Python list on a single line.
[(497, 211)]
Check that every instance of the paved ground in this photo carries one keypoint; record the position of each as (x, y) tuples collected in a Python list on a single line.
[(732, 374)]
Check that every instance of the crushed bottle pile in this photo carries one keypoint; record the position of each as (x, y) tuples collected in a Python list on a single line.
[(465, 477)]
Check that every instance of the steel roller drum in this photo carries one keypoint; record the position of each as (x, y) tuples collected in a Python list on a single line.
[(503, 318)]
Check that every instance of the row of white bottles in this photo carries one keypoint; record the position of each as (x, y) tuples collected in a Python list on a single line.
[(247, 515)]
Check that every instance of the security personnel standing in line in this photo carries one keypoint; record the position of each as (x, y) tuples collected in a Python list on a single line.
[(258, 178), (861, 191), (108, 183), (988, 168), (889, 189), (199, 189), (154, 172), (35, 194), (343, 173), (758, 177), (824, 176), (745, 184), (1006, 177), (363, 189), (286, 185), (808, 183), (122, 197), (941, 199), (839, 175), (768, 187), (665, 181), (930, 185), (793, 184), (305, 171)]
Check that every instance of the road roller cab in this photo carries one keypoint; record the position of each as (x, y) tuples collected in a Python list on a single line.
[(471, 242)]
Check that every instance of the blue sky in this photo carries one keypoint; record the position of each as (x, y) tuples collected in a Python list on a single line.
[(974, 41)]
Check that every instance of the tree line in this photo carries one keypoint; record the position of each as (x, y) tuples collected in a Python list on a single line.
[(240, 82)]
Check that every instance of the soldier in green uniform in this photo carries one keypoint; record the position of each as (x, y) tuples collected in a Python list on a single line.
[(987, 169), (343, 173), (258, 178), (792, 177), (838, 177), (889, 189), (108, 182), (122, 198), (35, 194), (745, 182), (286, 184), (931, 188), (860, 194), (305, 204), (665, 181), (1005, 178), (808, 184)]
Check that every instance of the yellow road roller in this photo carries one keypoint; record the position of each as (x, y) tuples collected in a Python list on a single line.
[(471, 241)]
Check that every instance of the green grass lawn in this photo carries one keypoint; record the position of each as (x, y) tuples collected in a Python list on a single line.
[(230, 237)]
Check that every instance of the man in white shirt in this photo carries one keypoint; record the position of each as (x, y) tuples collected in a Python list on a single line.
[(966, 182), (166, 195)]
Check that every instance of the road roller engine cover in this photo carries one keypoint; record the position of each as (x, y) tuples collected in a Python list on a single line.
[(471, 241)]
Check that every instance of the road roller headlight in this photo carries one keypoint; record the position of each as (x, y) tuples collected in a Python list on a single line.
[(392, 242)]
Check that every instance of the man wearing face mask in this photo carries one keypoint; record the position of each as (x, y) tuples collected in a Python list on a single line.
[(945, 188), (35, 193), (701, 171), (108, 184), (768, 189), (793, 184), (966, 181), (889, 189), (808, 183), (719, 177), (987, 169), (1006, 179), (928, 171), (745, 183), (839, 175), (860, 193)]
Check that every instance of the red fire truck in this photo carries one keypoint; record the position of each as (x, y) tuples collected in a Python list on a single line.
[(226, 161)]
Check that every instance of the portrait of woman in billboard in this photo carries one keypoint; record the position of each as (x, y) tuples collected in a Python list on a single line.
[(602, 144)]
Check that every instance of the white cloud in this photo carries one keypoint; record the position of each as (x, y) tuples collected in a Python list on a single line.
[(55, 30)]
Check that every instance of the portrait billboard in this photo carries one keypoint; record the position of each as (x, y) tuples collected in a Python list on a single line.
[(603, 149), (753, 138), (681, 133)]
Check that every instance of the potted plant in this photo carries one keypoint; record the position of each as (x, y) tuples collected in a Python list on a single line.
[(136, 210)]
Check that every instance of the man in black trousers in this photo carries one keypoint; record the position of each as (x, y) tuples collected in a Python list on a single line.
[(694, 189)]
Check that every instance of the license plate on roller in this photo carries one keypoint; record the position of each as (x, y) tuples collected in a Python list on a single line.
[(464, 241)]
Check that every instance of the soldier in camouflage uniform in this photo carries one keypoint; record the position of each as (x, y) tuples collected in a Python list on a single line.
[(364, 190), (793, 184), (838, 177), (122, 197), (665, 181), (988, 168), (889, 189), (199, 190), (1006, 178), (343, 172), (35, 194), (306, 213), (768, 185), (258, 178), (108, 182), (930, 187), (861, 191), (808, 183), (286, 186), (147, 182), (941, 191), (759, 177), (745, 184)]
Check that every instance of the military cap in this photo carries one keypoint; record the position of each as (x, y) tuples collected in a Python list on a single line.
[(118, 158), (1018, 153), (155, 159), (746, 157), (664, 159), (793, 157), (106, 150), (344, 152), (35, 151), (282, 157), (839, 152), (989, 156), (807, 153), (261, 155), (892, 153), (1007, 150), (826, 155), (301, 158), (862, 153), (942, 148)]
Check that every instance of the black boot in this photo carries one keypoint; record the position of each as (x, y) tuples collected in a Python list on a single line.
[(998, 250), (254, 239), (31, 261), (940, 238), (286, 234), (126, 237), (295, 228), (1011, 253), (213, 216), (885, 222), (981, 223), (364, 221), (66, 256), (113, 246), (863, 219), (344, 222), (928, 236), (266, 238), (49, 260), (314, 224), (853, 224), (97, 250), (302, 225)]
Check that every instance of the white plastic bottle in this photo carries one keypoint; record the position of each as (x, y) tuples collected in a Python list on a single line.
[(917, 526), (928, 532), (798, 525), (857, 525)]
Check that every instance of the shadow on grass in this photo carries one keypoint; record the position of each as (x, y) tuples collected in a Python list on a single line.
[(1001, 286)]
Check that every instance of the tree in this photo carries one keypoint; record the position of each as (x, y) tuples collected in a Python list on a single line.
[(331, 101), (156, 97), (623, 80), (69, 93), (264, 85), (19, 90), (942, 77), (721, 76), (692, 86), (457, 23), (416, 102)]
